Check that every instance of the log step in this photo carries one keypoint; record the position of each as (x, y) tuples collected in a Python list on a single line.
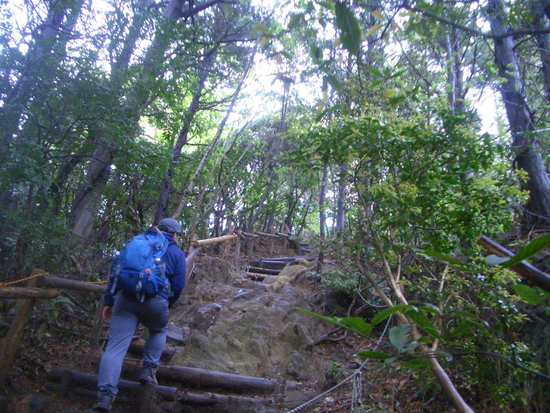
[(202, 378), (261, 277), (261, 270), (70, 378), (273, 265)]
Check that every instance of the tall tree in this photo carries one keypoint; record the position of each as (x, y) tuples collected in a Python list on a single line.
[(525, 143)]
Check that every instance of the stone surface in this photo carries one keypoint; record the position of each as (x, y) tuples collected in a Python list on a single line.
[(256, 331)]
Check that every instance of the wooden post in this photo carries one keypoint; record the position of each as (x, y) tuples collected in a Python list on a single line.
[(271, 246), (227, 245), (237, 253), (10, 344)]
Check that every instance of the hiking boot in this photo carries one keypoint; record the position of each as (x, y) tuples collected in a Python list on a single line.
[(104, 403), (148, 375)]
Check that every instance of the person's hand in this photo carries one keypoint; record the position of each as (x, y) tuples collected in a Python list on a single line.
[(107, 313)]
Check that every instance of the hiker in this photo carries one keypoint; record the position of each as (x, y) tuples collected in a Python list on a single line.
[(140, 292)]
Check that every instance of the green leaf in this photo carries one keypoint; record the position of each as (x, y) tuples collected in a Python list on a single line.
[(399, 336), (531, 295), (529, 250), (417, 363), (350, 30), (420, 319), (452, 261), (374, 355), (355, 324), (386, 313)]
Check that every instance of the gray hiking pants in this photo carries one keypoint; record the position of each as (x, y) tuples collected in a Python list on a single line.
[(153, 313)]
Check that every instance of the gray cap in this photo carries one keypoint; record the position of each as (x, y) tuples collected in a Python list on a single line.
[(169, 225)]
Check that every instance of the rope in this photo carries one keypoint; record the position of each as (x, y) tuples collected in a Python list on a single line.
[(21, 280), (352, 376)]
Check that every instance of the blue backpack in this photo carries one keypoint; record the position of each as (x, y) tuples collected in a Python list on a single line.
[(139, 270)]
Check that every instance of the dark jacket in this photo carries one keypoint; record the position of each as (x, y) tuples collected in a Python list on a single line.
[(175, 272)]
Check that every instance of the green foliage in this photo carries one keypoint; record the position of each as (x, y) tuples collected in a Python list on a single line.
[(347, 23), (341, 282), (529, 250), (532, 295)]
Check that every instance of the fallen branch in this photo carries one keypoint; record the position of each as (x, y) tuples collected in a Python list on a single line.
[(526, 270)]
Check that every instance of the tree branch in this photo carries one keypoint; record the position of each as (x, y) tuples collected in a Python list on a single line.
[(476, 32)]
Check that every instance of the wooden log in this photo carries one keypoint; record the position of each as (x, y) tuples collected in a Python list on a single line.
[(69, 284), (212, 399), (184, 397), (284, 259), (10, 343), (526, 270), (268, 235), (75, 378), (83, 392), (138, 346), (261, 270), (214, 241), (274, 265), (28, 292), (203, 378), (261, 277), (282, 234), (250, 235)]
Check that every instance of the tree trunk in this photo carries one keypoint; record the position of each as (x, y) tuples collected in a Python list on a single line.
[(85, 205), (540, 22), (341, 206), (166, 191), (217, 137), (82, 211), (526, 147), (322, 215), (304, 216)]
